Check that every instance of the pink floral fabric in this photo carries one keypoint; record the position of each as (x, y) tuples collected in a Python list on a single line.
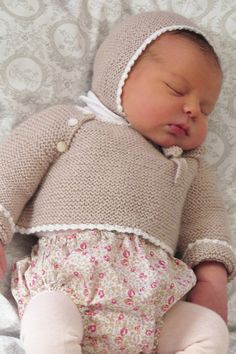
[(121, 284)]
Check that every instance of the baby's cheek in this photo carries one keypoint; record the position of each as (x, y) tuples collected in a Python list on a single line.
[(203, 132), (199, 137)]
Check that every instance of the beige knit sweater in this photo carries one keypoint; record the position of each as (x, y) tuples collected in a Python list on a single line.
[(62, 169)]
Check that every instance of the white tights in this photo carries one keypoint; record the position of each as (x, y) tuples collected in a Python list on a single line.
[(193, 329), (53, 325)]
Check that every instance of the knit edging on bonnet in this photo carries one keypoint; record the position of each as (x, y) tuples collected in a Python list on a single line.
[(137, 54), (123, 46)]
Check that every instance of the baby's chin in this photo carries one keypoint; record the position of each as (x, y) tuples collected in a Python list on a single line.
[(169, 140), (184, 147)]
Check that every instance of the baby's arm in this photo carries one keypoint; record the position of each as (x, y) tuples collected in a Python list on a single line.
[(205, 242), (25, 158), (211, 287), (205, 233)]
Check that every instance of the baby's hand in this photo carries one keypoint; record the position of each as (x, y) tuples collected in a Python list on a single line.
[(3, 263), (211, 288), (212, 296)]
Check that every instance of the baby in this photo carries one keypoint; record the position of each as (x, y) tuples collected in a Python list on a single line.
[(113, 190)]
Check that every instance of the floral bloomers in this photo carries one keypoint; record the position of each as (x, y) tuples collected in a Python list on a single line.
[(122, 285)]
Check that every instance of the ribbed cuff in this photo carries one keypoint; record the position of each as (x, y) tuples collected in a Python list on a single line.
[(211, 250)]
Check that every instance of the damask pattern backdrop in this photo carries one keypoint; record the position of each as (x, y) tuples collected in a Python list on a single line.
[(46, 52)]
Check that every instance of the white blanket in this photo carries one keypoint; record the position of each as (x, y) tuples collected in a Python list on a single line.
[(46, 54)]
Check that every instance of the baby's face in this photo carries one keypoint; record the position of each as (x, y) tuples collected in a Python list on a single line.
[(171, 91)]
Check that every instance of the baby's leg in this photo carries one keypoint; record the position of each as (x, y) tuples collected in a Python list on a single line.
[(51, 324), (193, 329)]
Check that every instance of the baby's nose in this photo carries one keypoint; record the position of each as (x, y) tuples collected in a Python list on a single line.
[(192, 109)]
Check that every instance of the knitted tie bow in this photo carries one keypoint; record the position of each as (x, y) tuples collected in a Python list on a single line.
[(174, 153)]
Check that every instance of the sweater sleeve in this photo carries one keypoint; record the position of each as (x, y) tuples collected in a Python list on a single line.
[(204, 234), (25, 157)]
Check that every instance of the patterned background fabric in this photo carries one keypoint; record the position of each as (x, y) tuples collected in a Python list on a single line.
[(47, 49)]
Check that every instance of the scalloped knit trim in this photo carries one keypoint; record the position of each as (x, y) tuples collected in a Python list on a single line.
[(8, 216), (139, 51), (106, 227), (207, 240)]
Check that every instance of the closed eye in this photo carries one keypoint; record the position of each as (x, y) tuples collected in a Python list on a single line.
[(174, 90), (205, 113)]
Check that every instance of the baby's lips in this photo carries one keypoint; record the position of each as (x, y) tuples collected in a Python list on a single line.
[(178, 129)]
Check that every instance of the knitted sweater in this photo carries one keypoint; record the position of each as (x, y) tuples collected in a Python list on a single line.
[(63, 169)]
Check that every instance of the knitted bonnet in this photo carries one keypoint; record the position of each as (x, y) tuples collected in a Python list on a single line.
[(122, 47)]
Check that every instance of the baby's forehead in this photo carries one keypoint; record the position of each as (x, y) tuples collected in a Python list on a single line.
[(168, 44), (173, 42)]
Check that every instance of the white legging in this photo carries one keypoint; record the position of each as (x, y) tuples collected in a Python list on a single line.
[(53, 325)]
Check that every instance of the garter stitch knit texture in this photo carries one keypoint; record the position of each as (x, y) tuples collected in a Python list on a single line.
[(109, 177)]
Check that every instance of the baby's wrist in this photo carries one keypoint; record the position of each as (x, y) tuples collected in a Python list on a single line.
[(211, 271)]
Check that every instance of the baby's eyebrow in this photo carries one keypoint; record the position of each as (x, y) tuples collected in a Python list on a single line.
[(176, 76), (176, 79)]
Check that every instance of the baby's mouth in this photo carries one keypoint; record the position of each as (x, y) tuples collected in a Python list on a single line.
[(179, 129)]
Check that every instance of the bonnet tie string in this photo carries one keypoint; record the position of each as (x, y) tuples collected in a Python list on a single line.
[(94, 105)]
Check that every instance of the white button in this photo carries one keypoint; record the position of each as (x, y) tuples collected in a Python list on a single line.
[(61, 146), (72, 122)]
